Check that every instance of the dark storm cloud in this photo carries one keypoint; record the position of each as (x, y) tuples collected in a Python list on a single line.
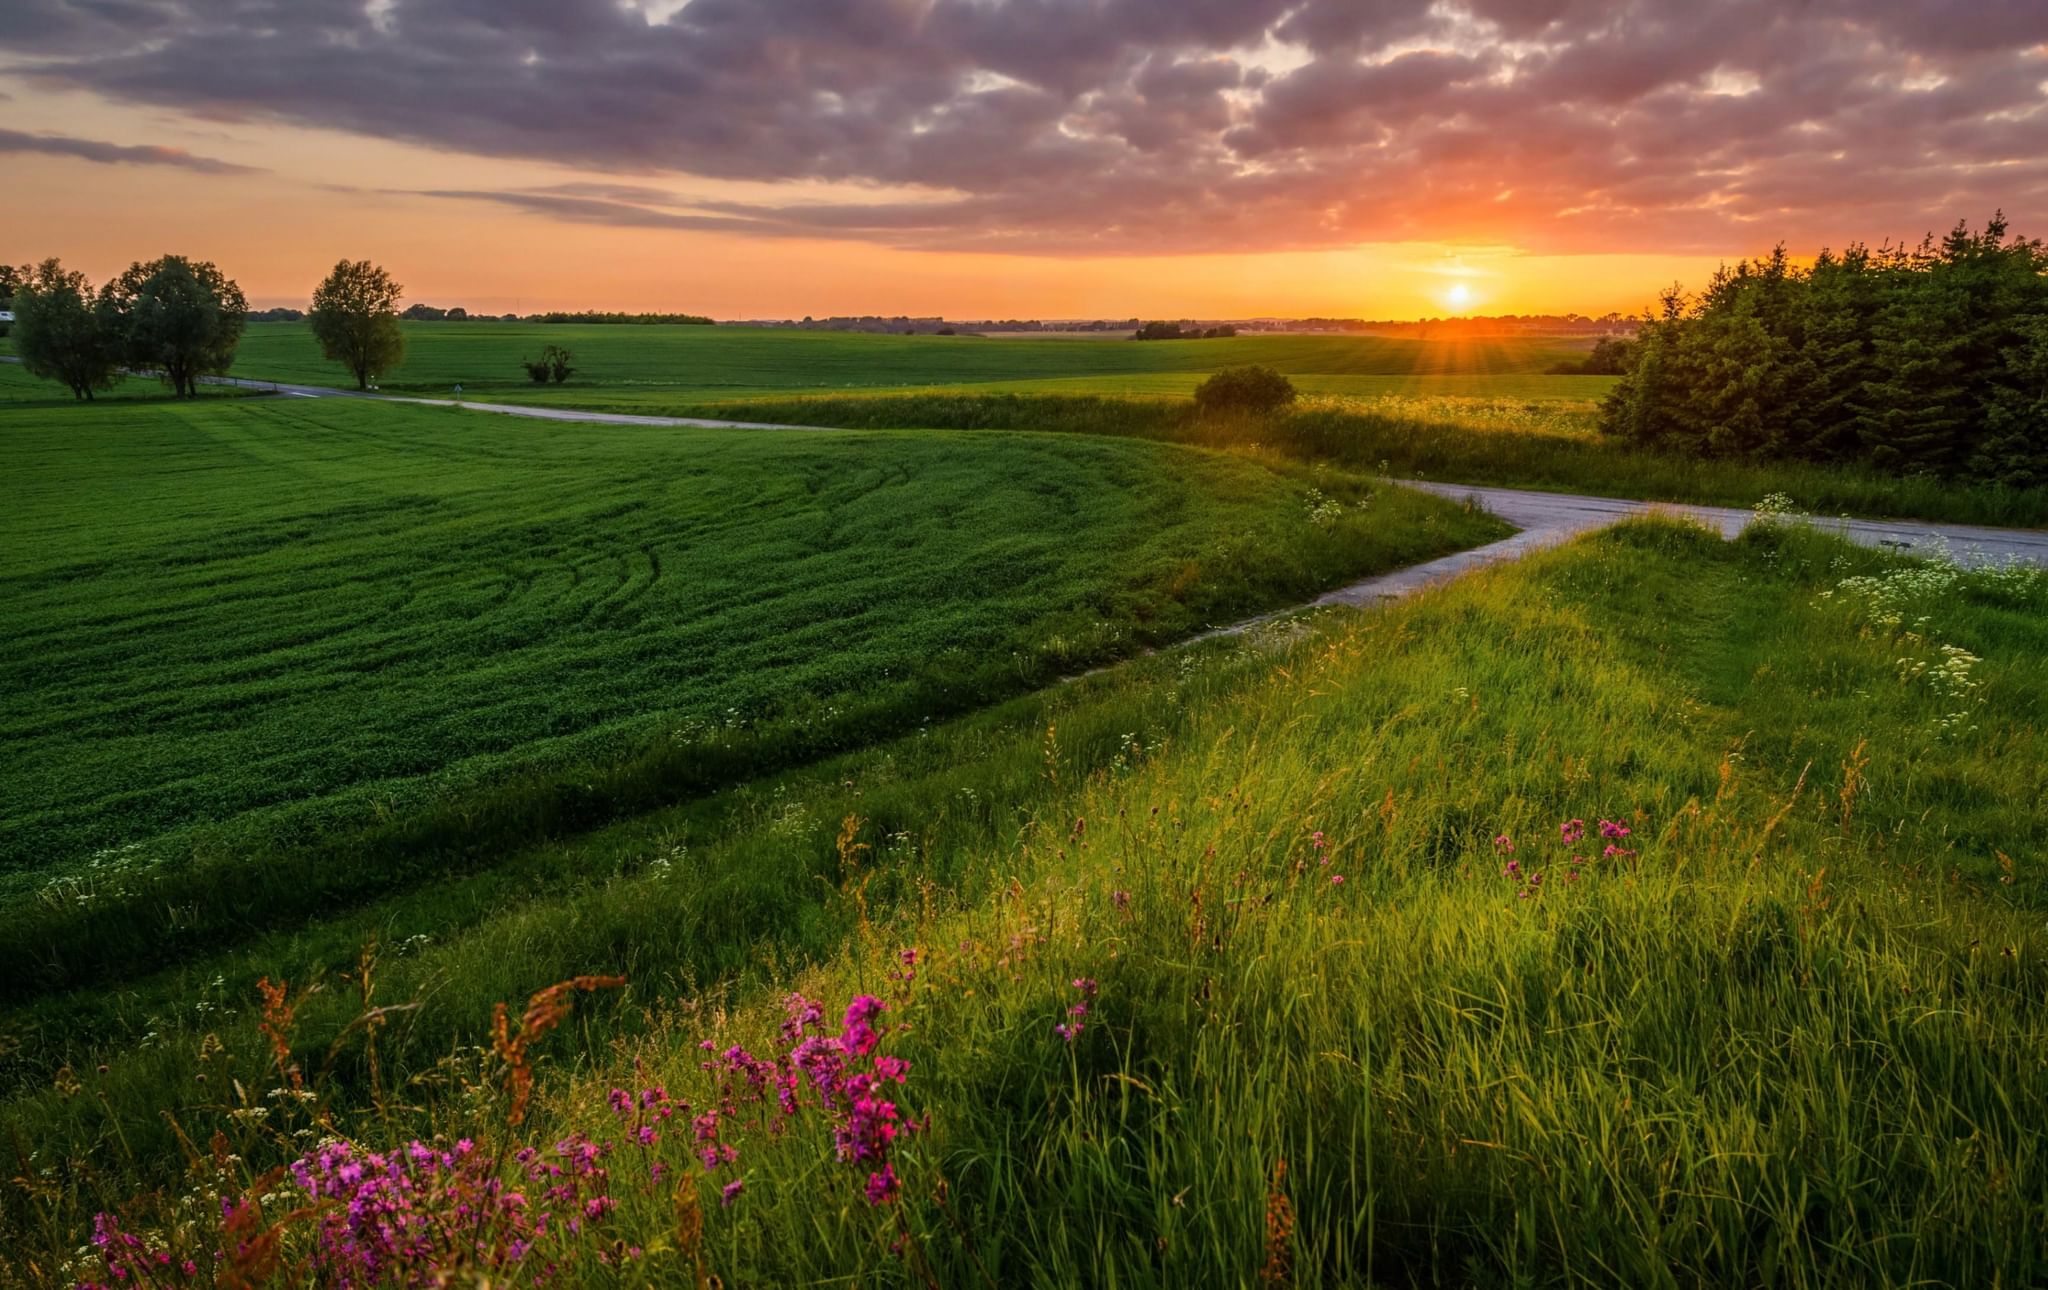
[(57, 145), (1061, 126)]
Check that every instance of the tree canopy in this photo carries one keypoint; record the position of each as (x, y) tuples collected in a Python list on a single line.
[(180, 317), (1924, 361), (1250, 388), (60, 332), (355, 319)]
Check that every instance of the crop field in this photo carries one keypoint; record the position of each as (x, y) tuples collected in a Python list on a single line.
[(731, 362), (246, 606), (1478, 411), (1571, 401)]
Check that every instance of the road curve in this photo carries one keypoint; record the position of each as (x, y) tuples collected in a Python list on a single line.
[(1552, 519)]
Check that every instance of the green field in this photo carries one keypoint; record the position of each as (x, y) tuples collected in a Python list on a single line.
[(1480, 412), (267, 620), (734, 362)]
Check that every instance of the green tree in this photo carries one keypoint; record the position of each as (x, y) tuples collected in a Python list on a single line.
[(180, 317), (1250, 388), (59, 333), (10, 281), (2014, 448), (1925, 361), (355, 319)]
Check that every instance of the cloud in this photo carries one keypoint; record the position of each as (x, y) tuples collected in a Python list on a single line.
[(1147, 126), (57, 145)]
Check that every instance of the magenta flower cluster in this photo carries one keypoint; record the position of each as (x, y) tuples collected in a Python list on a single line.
[(1321, 846), (1614, 831), (425, 1212), (1571, 833), (842, 1077), (1077, 1013), (410, 1215), (130, 1261)]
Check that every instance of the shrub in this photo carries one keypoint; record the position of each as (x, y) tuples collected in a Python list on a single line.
[(1244, 389), (553, 365)]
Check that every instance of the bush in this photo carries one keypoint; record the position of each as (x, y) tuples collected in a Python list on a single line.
[(553, 365), (1244, 389)]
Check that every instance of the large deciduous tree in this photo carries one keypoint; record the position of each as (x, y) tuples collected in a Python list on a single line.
[(60, 333), (355, 319), (180, 317)]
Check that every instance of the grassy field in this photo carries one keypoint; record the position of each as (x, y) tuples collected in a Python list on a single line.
[(20, 392), (244, 628), (1785, 1031), (722, 362), (1509, 442), (1481, 412)]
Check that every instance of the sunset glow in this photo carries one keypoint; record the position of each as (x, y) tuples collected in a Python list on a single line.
[(1028, 158)]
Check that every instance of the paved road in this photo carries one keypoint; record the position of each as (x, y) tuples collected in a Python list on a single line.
[(508, 409), (1551, 519)]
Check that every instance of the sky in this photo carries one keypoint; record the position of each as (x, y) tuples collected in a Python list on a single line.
[(1011, 158)]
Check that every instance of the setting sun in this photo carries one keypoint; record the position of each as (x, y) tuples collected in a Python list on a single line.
[(1458, 296)]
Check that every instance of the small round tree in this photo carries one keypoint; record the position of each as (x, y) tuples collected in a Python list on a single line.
[(1245, 389), (355, 319)]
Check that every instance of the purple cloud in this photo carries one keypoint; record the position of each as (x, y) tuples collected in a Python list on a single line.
[(1150, 126)]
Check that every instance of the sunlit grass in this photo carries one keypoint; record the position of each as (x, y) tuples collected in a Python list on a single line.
[(1784, 1032)]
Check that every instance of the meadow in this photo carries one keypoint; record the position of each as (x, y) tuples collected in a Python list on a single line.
[(1458, 411), (723, 362), (1660, 911), (246, 636)]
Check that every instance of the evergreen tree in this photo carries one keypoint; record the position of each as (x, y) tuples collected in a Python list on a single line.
[(1926, 361)]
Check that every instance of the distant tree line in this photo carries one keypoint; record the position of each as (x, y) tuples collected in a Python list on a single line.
[(558, 316), (1469, 328), (425, 313), (1924, 361), (1179, 331), (174, 317)]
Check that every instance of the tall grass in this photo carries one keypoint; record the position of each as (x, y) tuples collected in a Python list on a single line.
[(1787, 1032)]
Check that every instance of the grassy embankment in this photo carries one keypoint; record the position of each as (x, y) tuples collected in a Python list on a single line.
[(1787, 1032), (1479, 412)]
